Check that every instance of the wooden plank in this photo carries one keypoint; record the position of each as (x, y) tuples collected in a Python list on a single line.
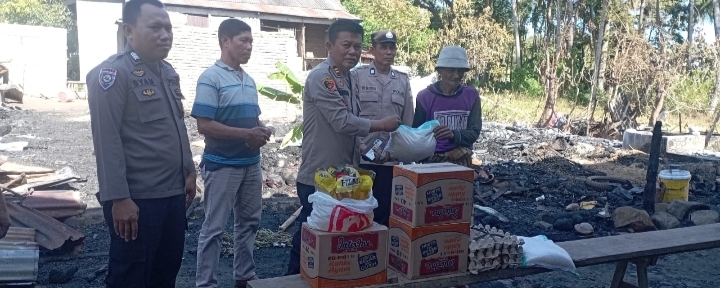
[(586, 252), (594, 251), (14, 168), (652, 172)]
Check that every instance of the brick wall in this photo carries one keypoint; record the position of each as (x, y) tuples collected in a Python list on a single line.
[(36, 66), (195, 49), (315, 38)]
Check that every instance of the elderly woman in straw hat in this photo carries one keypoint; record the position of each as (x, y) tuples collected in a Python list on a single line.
[(454, 105)]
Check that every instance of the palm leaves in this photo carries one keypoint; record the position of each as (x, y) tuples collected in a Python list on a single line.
[(296, 89)]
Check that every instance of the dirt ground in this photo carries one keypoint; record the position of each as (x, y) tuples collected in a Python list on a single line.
[(63, 139)]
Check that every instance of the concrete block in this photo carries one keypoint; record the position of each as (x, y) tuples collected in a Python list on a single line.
[(676, 144), (634, 139)]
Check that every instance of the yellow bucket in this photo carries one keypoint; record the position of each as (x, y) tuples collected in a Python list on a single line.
[(676, 184)]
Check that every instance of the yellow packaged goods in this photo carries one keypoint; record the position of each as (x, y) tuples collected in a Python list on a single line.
[(345, 182), (346, 185), (325, 182), (363, 191)]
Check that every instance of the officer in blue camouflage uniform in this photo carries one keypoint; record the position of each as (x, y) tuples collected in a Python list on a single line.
[(144, 165)]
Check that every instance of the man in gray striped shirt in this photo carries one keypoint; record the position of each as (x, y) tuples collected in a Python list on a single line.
[(226, 108)]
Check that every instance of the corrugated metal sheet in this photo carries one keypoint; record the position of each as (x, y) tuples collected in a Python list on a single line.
[(49, 233), (19, 257), (269, 9), (312, 4), (19, 234), (56, 204)]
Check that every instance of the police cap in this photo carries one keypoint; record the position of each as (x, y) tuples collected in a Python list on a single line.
[(384, 36)]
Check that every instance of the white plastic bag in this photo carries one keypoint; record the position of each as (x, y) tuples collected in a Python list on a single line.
[(413, 144), (346, 215), (539, 251)]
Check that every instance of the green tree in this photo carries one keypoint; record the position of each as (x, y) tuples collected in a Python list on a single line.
[(410, 23), (487, 42), (293, 97), (49, 13)]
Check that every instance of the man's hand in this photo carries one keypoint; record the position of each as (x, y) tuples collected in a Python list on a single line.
[(377, 153), (268, 131), (125, 216), (190, 189), (442, 132), (390, 123), (378, 156), (258, 137)]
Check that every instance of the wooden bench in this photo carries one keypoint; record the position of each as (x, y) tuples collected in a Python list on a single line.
[(643, 249)]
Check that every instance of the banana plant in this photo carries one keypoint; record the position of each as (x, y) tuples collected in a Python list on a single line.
[(296, 89)]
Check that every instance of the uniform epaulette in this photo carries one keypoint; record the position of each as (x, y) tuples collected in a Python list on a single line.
[(115, 57), (400, 72)]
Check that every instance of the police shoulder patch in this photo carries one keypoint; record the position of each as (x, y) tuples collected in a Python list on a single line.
[(107, 77), (329, 84)]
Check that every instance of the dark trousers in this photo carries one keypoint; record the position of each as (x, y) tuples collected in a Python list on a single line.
[(303, 192), (382, 187), (154, 258)]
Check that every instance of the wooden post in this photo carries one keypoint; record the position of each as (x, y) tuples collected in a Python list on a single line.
[(680, 120), (652, 172), (302, 46)]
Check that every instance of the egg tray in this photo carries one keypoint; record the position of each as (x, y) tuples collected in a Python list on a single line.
[(492, 249)]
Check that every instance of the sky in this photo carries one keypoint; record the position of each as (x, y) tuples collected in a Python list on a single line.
[(707, 31)]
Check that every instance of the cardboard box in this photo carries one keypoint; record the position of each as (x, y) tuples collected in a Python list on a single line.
[(431, 194), (428, 251), (353, 259)]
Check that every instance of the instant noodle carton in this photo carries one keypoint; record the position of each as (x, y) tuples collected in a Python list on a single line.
[(428, 251), (431, 194), (332, 259)]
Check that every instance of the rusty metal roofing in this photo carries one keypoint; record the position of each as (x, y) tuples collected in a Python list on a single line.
[(306, 9), (312, 4), (19, 257), (49, 233), (56, 203)]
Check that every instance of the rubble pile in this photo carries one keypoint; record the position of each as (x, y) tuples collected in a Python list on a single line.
[(38, 198), (499, 143)]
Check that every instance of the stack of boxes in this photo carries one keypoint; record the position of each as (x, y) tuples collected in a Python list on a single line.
[(431, 210), (335, 259), (429, 233)]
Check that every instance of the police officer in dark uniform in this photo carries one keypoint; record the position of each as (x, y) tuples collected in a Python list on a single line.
[(144, 164)]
